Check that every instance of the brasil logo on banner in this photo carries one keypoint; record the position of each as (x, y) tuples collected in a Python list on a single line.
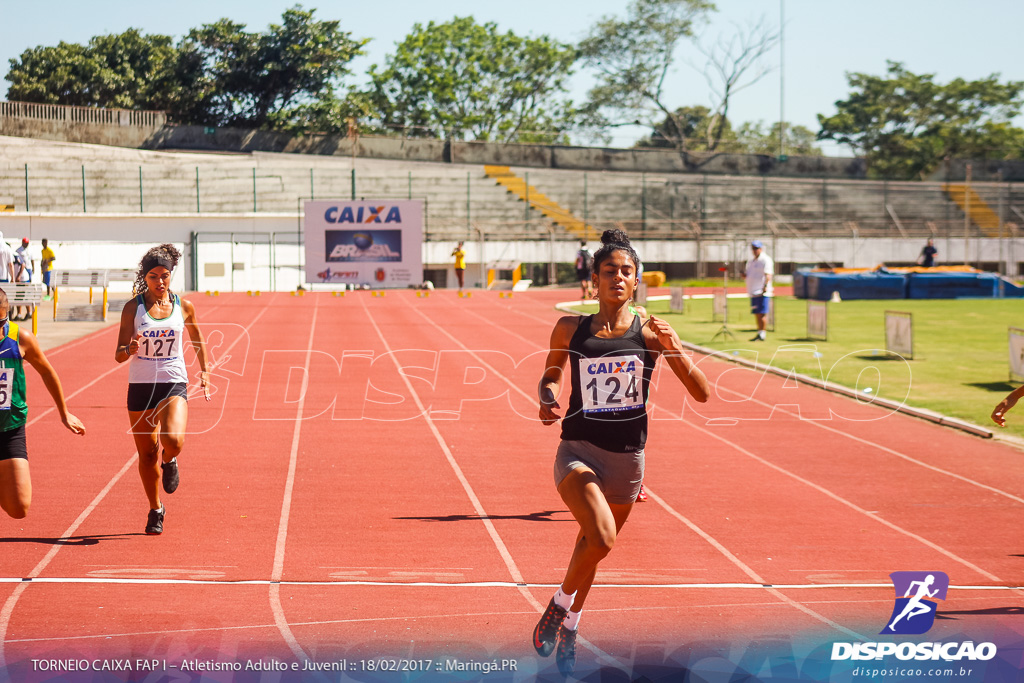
[(372, 246)]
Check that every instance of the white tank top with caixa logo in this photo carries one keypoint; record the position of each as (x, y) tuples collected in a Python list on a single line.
[(161, 355)]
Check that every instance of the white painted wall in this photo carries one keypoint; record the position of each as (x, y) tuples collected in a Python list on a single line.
[(119, 240)]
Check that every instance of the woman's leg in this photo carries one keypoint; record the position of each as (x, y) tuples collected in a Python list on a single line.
[(15, 487), (145, 431), (173, 417), (599, 523)]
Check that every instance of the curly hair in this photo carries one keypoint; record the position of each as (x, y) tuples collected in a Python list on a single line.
[(165, 255)]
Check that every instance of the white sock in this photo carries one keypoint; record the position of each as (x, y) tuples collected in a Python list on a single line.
[(564, 600), (761, 334), (572, 620)]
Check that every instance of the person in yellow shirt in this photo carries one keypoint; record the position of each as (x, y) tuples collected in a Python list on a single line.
[(460, 265), (48, 257)]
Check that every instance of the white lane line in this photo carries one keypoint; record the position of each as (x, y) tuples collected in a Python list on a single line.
[(81, 340), (12, 600), (874, 444), (693, 527), (850, 504), (286, 506), (727, 585), (8, 609), (506, 556)]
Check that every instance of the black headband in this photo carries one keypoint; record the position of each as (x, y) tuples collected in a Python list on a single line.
[(152, 262)]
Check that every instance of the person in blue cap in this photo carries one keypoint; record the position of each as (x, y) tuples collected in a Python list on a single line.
[(759, 272)]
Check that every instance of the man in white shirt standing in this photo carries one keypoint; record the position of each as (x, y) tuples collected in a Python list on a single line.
[(6, 261), (759, 272)]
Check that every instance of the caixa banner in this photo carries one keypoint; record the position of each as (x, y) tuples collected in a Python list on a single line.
[(377, 242)]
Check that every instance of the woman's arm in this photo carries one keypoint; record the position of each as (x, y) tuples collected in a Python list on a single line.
[(127, 339), (198, 345), (34, 356), (660, 337), (551, 380), (999, 414)]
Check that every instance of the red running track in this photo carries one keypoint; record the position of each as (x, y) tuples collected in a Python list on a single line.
[(371, 480)]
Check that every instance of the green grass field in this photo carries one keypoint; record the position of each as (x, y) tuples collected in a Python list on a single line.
[(960, 364)]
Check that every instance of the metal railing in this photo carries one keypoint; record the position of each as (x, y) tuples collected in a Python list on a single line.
[(654, 206)]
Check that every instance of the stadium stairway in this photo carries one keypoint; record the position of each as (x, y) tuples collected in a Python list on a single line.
[(547, 207), (970, 202)]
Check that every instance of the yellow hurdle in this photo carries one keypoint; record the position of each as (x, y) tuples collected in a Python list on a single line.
[(216, 292)]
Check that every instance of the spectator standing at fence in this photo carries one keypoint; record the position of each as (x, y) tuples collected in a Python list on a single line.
[(460, 265), (758, 273), (46, 263), (18, 346), (584, 262), (927, 257), (22, 274), (25, 260), (6, 261)]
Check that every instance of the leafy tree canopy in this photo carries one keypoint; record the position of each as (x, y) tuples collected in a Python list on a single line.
[(220, 74), (464, 80), (905, 124)]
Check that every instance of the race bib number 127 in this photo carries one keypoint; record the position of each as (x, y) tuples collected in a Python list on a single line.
[(611, 383)]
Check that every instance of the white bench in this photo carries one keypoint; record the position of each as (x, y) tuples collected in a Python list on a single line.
[(25, 294), (79, 278)]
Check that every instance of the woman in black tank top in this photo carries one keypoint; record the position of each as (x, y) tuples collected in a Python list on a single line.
[(611, 355)]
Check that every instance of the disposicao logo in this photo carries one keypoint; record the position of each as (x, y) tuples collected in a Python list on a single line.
[(914, 612)]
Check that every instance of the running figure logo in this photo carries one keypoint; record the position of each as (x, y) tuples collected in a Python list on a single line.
[(913, 613)]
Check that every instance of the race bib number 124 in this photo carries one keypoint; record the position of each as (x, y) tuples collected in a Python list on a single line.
[(611, 383)]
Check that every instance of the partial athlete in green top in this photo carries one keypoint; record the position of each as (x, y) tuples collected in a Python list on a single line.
[(13, 409)]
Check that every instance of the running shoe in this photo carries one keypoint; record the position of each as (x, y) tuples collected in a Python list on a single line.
[(565, 656), (547, 629), (642, 496), (170, 476), (155, 523)]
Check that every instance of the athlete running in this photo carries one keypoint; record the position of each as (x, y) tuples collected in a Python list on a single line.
[(18, 346), (599, 464), (152, 336)]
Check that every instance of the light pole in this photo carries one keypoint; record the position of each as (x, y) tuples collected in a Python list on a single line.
[(782, 80)]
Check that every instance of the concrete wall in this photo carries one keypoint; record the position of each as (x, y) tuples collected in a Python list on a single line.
[(60, 131), (83, 124), (981, 171), (118, 241)]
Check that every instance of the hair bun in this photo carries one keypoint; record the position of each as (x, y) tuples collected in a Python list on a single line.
[(615, 237)]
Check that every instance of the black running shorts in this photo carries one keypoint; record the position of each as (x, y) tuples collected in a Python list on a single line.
[(12, 444), (148, 396)]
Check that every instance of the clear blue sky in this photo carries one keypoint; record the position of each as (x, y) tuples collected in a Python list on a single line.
[(824, 39)]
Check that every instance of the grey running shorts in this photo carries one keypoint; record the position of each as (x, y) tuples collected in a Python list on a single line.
[(620, 474)]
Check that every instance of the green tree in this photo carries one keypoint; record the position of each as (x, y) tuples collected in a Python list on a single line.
[(126, 70), (268, 79), (632, 57), (905, 124), (693, 124), (464, 80), (284, 78), (754, 138)]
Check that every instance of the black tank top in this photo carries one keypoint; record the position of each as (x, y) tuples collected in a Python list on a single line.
[(610, 384)]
